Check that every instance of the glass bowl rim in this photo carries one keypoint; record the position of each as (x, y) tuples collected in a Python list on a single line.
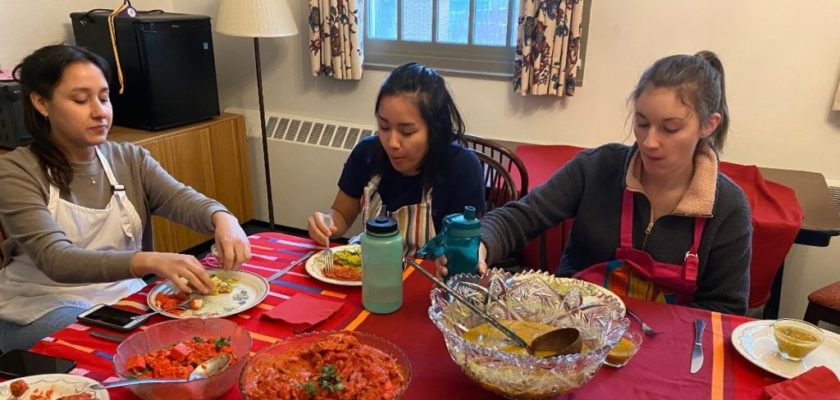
[(811, 327)]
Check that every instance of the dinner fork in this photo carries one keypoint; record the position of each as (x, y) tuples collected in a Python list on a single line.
[(646, 329), (182, 305), (328, 253)]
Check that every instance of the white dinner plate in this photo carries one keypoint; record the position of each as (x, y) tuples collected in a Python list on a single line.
[(315, 267), (755, 341), (61, 384), (248, 292)]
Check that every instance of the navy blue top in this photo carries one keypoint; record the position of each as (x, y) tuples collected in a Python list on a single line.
[(462, 183)]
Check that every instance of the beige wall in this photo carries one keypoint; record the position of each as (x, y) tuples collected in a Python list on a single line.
[(782, 61), (26, 25)]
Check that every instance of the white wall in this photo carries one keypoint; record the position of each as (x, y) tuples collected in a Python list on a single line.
[(26, 25), (782, 61)]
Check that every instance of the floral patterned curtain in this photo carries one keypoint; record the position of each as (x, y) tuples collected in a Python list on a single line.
[(334, 46), (547, 47)]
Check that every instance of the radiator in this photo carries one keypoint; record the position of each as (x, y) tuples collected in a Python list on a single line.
[(306, 155)]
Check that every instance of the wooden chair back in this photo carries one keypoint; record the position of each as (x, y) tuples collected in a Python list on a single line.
[(504, 157), (498, 183)]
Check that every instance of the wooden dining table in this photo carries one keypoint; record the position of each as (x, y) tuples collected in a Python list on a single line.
[(659, 370)]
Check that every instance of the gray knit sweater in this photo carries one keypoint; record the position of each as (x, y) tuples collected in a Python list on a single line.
[(589, 189), (31, 230)]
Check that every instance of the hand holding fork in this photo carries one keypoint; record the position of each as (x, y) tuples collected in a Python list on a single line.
[(328, 253)]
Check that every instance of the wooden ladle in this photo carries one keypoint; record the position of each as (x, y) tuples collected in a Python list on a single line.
[(559, 341)]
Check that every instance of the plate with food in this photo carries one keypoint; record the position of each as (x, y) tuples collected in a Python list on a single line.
[(233, 292), (52, 387), (347, 266), (755, 340)]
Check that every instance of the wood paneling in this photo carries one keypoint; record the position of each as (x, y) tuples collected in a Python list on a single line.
[(211, 157)]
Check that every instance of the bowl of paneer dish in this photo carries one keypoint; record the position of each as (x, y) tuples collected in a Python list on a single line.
[(327, 365), (529, 303), (173, 349)]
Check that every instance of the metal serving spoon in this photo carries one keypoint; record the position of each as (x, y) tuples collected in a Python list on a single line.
[(203, 370), (559, 341)]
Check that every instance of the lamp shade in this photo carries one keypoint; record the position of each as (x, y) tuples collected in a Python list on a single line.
[(255, 18)]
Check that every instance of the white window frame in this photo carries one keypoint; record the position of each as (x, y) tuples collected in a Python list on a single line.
[(456, 59)]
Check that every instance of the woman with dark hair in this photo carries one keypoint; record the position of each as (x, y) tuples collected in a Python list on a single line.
[(415, 167), (77, 209), (656, 220)]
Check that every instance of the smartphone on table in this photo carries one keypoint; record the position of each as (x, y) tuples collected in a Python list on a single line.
[(20, 363), (111, 317)]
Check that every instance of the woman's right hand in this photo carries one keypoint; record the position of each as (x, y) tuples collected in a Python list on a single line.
[(440, 263), (173, 267), (319, 230)]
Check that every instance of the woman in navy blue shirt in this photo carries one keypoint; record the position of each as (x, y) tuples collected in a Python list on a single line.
[(415, 167)]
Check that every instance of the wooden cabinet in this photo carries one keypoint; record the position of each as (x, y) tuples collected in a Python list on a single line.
[(210, 156)]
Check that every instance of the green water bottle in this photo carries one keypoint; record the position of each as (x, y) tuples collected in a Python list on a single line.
[(382, 250)]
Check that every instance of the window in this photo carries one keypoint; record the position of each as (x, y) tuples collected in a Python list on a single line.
[(445, 34)]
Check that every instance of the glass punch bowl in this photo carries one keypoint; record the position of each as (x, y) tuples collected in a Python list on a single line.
[(531, 296)]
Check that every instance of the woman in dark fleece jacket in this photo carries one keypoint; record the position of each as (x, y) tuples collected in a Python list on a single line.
[(655, 220)]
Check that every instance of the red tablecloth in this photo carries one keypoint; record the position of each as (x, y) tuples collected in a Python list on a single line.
[(659, 370), (776, 215)]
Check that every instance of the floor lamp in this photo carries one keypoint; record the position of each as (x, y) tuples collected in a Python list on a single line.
[(256, 19)]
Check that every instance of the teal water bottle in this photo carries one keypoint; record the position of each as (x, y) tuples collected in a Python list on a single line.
[(461, 238), (382, 250)]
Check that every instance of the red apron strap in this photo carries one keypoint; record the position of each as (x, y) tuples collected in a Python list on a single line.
[(692, 260), (627, 219)]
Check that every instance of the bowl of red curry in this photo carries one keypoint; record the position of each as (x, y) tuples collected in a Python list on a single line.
[(172, 349), (327, 365)]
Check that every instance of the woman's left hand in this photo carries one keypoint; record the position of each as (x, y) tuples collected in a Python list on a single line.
[(231, 241)]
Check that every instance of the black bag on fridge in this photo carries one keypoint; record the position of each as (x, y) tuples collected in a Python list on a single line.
[(12, 132), (167, 63)]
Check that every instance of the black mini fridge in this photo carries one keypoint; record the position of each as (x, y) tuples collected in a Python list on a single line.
[(167, 62)]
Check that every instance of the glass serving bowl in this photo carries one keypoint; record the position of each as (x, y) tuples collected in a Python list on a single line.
[(530, 296), (261, 378), (168, 333)]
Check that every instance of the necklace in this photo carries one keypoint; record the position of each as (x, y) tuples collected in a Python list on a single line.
[(92, 181)]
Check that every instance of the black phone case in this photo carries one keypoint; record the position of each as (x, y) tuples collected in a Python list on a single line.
[(120, 328)]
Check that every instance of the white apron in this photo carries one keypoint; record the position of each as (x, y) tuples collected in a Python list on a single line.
[(414, 220), (26, 293)]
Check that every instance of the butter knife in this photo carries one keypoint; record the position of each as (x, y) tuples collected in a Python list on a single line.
[(290, 266), (697, 352)]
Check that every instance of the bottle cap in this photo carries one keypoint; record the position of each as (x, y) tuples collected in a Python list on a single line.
[(381, 225), (463, 225)]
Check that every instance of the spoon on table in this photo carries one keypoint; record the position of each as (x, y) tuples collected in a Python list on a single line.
[(559, 341), (203, 370)]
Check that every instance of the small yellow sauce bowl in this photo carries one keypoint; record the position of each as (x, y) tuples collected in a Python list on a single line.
[(796, 338)]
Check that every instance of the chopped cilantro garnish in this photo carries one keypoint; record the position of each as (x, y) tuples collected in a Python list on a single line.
[(222, 342), (198, 339), (329, 379), (310, 388)]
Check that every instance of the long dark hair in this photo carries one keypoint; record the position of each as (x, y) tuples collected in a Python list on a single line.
[(428, 89), (40, 72), (699, 82)]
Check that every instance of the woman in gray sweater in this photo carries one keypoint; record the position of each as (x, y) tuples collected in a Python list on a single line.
[(77, 209), (655, 220)]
